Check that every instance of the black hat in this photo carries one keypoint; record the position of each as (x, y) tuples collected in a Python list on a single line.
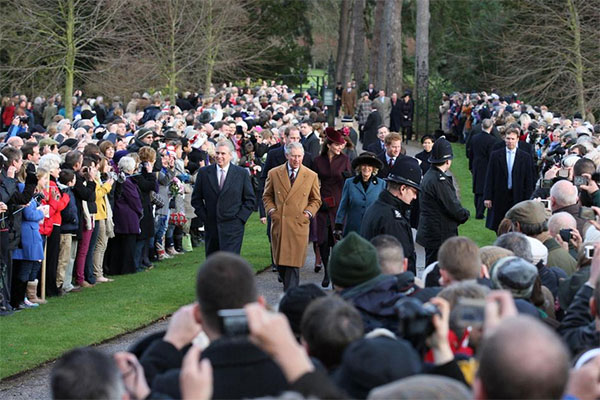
[(441, 151), (171, 134), (205, 117), (87, 114), (347, 119), (367, 158), (371, 362), (294, 303), (71, 142), (406, 171), (37, 128)]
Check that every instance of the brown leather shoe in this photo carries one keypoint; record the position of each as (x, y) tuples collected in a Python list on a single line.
[(85, 284)]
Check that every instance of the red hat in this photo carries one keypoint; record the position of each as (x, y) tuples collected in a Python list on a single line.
[(334, 136)]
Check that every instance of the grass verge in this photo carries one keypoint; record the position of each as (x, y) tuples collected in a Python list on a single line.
[(32, 337), (473, 228)]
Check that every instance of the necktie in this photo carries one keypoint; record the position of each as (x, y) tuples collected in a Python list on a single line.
[(292, 177), (391, 162), (510, 166), (222, 179)]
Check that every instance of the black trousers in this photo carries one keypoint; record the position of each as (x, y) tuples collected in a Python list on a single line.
[(52, 249), (431, 254), (479, 207), (290, 276)]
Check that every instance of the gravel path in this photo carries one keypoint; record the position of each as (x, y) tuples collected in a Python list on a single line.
[(34, 384)]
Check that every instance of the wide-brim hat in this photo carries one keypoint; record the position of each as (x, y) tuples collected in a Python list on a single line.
[(367, 158), (335, 136), (406, 171)]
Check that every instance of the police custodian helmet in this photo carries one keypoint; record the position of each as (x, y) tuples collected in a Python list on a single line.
[(441, 151), (406, 171)]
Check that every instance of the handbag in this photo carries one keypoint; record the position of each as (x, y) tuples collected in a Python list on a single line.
[(156, 200), (186, 243)]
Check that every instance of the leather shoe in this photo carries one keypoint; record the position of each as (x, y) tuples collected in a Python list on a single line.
[(75, 289), (318, 267), (85, 284), (325, 282), (274, 268)]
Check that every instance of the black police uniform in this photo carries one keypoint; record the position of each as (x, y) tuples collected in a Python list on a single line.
[(391, 216), (441, 211)]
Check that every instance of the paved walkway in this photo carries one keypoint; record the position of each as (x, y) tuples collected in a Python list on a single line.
[(35, 383)]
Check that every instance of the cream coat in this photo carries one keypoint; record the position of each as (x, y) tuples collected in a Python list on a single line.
[(289, 225)]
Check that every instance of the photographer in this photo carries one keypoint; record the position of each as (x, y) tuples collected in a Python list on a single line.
[(20, 124)]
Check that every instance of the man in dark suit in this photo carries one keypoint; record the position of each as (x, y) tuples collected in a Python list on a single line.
[(481, 148), (509, 179), (395, 114), (378, 145), (389, 157), (311, 144), (371, 126), (223, 199), (372, 92)]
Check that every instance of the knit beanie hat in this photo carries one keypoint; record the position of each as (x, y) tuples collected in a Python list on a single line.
[(353, 261)]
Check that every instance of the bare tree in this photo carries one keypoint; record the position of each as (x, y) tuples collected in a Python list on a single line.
[(551, 53), (394, 62), (349, 57), (344, 27), (359, 64), (422, 55), (64, 39)]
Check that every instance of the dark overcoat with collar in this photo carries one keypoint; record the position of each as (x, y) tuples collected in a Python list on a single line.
[(223, 212), (496, 184)]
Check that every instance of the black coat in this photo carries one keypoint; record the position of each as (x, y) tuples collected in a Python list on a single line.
[(407, 110), (496, 181), (223, 212), (390, 215), (396, 117), (375, 147), (240, 369), (481, 149), (146, 183), (441, 211), (370, 128), (312, 145), (424, 158)]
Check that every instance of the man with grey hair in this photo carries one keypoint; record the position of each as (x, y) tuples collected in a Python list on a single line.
[(291, 198), (564, 198), (223, 199), (64, 130)]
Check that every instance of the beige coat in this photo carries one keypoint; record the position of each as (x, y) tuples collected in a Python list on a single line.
[(289, 225)]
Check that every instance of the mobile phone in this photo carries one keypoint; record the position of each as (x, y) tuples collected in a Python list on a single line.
[(563, 173), (234, 322), (469, 312), (589, 251), (587, 213), (546, 183), (565, 234), (580, 180), (546, 203)]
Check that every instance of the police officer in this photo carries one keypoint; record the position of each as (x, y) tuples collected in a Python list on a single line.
[(441, 211), (390, 214)]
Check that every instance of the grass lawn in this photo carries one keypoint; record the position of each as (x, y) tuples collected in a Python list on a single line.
[(32, 337), (473, 228)]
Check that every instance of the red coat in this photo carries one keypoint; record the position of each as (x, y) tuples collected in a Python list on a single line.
[(332, 176), (57, 201)]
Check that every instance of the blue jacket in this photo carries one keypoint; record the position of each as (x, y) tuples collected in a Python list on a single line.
[(355, 202), (32, 245)]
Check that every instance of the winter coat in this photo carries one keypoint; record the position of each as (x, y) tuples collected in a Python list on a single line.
[(289, 225), (57, 201), (355, 202), (69, 215), (32, 245), (128, 208)]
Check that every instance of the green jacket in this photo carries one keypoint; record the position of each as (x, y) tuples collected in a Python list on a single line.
[(559, 257)]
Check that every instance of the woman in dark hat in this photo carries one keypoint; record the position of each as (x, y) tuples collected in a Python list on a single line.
[(332, 167), (427, 142), (359, 193)]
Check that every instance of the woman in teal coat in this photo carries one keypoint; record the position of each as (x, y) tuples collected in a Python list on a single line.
[(359, 193)]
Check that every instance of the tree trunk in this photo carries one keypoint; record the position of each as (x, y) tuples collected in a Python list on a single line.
[(578, 61), (342, 39), (394, 63), (70, 59), (172, 72), (349, 57), (422, 62), (374, 53), (359, 66), (384, 42)]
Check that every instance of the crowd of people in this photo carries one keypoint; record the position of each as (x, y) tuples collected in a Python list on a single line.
[(122, 186)]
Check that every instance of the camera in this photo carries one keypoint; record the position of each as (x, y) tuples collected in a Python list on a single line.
[(416, 320), (546, 203), (24, 119), (546, 183), (589, 251), (233, 322), (469, 312), (580, 180), (565, 234)]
